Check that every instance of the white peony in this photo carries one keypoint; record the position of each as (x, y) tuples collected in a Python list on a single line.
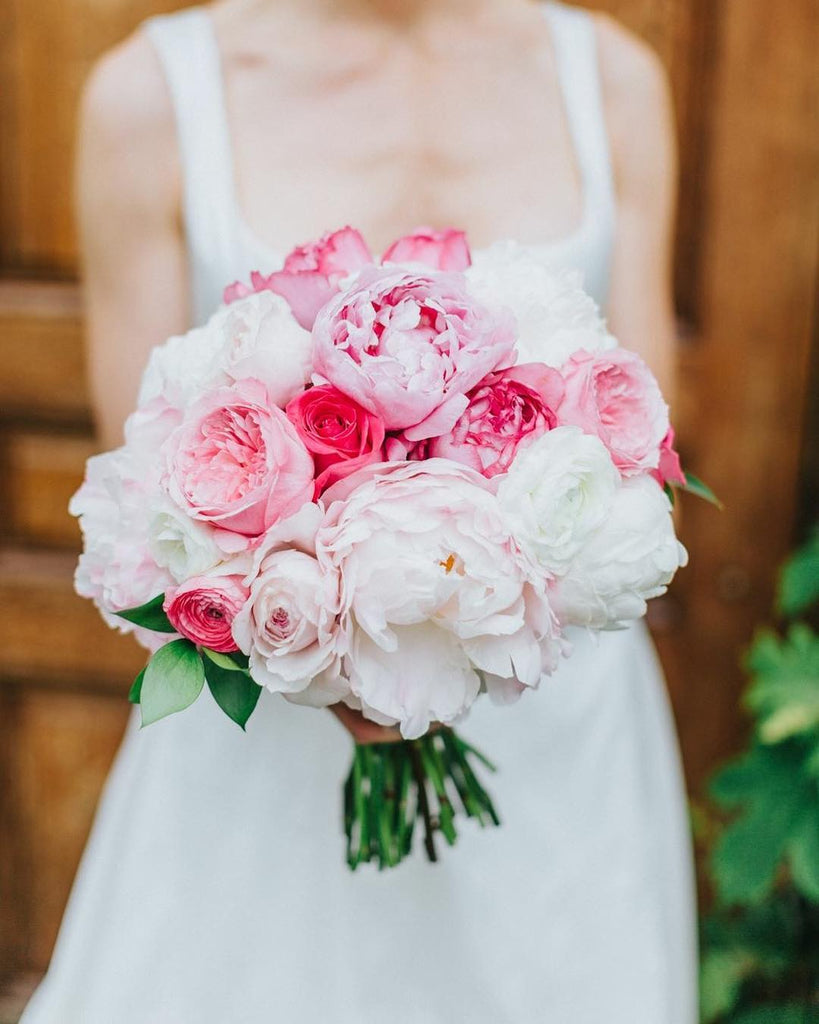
[(436, 589), (290, 626), (632, 557), (557, 492), (555, 317), (254, 337)]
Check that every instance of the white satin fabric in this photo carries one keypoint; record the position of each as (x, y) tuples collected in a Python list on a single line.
[(214, 888)]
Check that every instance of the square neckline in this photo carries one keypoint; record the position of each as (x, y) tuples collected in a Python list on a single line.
[(252, 239)]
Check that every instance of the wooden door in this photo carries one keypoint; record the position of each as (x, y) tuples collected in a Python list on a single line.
[(746, 274)]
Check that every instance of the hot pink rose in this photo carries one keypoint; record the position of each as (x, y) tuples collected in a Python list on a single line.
[(669, 470), (441, 250), (236, 461), (311, 273), (408, 346), (341, 435), (203, 609), (507, 409), (614, 395)]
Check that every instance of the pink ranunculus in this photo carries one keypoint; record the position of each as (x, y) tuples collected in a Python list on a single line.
[(237, 462), (341, 435), (409, 345), (311, 273), (669, 470), (506, 410), (614, 395), (203, 609), (441, 250)]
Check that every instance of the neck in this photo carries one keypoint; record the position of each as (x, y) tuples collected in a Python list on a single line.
[(409, 13)]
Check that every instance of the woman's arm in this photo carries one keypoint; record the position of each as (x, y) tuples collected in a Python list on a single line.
[(640, 122), (132, 248)]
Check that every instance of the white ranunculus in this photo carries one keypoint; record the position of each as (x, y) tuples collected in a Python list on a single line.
[(632, 557), (430, 576), (555, 317), (254, 337), (290, 625), (558, 490), (182, 545)]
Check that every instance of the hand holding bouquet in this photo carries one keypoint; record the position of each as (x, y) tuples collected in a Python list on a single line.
[(392, 484)]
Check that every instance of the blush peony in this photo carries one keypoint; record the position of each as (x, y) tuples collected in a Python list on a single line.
[(441, 250), (408, 346), (615, 396), (236, 462), (506, 410)]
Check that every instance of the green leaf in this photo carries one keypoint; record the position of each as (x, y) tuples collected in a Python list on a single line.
[(722, 974), (669, 493), (224, 661), (233, 690), (799, 579), (785, 690), (149, 615), (804, 853), (694, 485), (173, 679), (136, 688), (790, 1013)]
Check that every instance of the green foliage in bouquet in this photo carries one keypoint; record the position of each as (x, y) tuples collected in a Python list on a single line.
[(760, 961)]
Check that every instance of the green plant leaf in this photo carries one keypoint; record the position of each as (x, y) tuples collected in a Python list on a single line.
[(785, 690), (799, 579), (669, 493), (233, 690), (136, 688), (149, 615), (173, 679), (804, 853), (722, 974), (783, 1013), (224, 661), (694, 485)]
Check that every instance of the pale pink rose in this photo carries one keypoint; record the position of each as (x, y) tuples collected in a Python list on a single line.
[(311, 273), (441, 250), (409, 345), (614, 395), (203, 609), (669, 470), (340, 434), (507, 409), (236, 461)]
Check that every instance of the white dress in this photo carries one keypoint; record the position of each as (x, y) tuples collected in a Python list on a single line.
[(214, 888)]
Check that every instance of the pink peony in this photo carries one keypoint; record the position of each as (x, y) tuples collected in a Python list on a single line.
[(614, 395), (236, 461), (203, 609), (408, 346), (441, 250), (311, 273), (669, 470), (507, 409), (340, 434)]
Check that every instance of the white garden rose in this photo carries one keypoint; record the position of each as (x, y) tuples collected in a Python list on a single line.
[(555, 317), (255, 337), (436, 589), (178, 543), (290, 626), (557, 492), (632, 557)]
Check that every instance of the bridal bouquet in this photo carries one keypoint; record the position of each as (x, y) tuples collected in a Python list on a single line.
[(392, 483)]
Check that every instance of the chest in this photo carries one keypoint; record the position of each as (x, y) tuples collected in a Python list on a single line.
[(477, 137)]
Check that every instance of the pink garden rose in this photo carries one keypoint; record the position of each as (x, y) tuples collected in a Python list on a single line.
[(507, 409), (669, 470), (441, 250), (408, 346), (341, 435), (203, 609), (311, 273), (614, 395), (237, 462)]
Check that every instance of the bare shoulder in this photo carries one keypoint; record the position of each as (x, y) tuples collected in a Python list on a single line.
[(127, 132), (637, 102)]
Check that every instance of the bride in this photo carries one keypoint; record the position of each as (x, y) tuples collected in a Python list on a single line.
[(214, 888)]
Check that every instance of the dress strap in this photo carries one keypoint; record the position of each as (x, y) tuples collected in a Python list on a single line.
[(575, 46), (186, 46)]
